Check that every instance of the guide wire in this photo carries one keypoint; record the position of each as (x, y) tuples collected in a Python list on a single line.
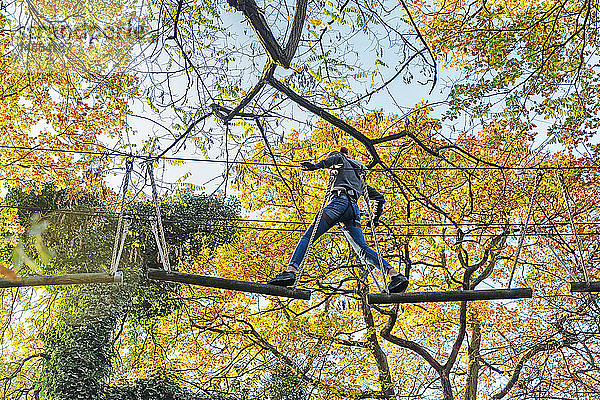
[(566, 197), (538, 179)]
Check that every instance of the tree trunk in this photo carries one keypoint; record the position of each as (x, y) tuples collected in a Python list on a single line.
[(385, 377), (446, 385), (473, 373)]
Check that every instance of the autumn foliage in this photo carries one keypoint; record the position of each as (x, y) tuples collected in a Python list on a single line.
[(491, 183)]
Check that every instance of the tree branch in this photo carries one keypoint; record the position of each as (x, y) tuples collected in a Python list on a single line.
[(296, 31), (385, 377), (462, 331), (473, 366), (176, 20), (183, 135), (332, 119), (343, 342), (416, 28), (390, 137), (264, 344), (386, 333), (540, 347), (259, 25), (283, 179), (266, 75)]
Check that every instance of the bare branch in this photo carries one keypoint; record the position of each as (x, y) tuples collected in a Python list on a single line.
[(257, 21), (332, 119), (385, 377), (267, 74), (538, 348), (416, 28), (296, 31), (386, 333)]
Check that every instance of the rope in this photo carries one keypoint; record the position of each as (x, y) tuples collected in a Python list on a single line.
[(379, 258), (163, 258), (566, 197), (125, 230), (538, 179), (159, 232), (121, 233), (332, 175), (551, 247)]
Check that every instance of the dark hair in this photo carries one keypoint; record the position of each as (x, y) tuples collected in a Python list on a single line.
[(343, 150)]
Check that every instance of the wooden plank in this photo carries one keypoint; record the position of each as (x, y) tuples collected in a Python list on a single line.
[(459, 295), (230, 284), (67, 279), (585, 286)]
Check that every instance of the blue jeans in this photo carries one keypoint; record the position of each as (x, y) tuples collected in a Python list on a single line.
[(341, 209)]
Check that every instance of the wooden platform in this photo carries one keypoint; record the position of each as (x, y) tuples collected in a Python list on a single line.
[(588, 287), (67, 279), (447, 296), (229, 284)]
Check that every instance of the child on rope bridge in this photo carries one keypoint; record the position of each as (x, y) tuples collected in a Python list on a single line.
[(343, 209)]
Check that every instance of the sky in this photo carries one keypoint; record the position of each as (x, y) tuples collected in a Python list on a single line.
[(407, 94)]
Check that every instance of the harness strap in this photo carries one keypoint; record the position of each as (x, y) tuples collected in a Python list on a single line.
[(339, 191), (316, 222), (344, 192)]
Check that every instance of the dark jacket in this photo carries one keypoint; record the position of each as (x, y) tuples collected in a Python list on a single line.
[(349, 177)]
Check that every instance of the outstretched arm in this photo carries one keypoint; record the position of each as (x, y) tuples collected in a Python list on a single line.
[(326, 163)]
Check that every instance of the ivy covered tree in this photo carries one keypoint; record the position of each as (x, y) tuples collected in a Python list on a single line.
[(283, 384), (78, 359), (77, 343)]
